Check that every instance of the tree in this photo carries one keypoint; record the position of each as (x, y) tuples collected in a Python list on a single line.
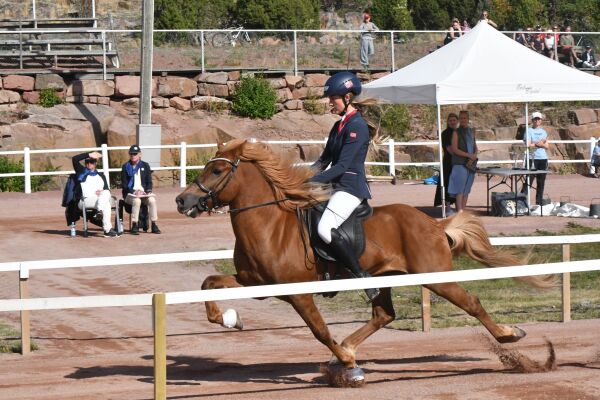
[(392, 15), (279, 14), (427, 14)]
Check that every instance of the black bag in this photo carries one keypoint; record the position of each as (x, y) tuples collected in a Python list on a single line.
[(503, 204)]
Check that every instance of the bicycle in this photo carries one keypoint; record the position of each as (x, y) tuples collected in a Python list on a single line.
[(232, 36)]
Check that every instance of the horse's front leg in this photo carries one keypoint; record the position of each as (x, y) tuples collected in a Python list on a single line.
[(230, 318)]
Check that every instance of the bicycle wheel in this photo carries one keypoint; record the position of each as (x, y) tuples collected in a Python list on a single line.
[(220, 39)]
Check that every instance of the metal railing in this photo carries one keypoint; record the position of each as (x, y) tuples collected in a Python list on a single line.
[(184, 167)]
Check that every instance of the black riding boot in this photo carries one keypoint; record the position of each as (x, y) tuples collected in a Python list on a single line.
[(344, 255)]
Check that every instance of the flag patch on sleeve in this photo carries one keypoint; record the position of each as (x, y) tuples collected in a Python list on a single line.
[(353, 135)]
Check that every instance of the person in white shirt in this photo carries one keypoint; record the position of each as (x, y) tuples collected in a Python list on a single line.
[(94, 189)]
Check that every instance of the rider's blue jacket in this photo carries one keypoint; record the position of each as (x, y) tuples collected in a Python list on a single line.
[(346, 151)]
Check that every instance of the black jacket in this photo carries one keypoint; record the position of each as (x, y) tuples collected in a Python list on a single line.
[(145, 174)]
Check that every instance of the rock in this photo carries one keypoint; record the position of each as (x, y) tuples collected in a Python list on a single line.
[(104, 101), (8, 96), (180, 103), (210, 103), (93, 99), (232, 86), (121, 132), (129, 86), (100, 116), (208, 89), (277, 83), (1, 83), (49, 81), (580, 132), (21, 83), (269, 41), (132, 102), (76, 99), (91, 87), (177, 86), (284, 95), (363, 76), (583, 116), (279, 107), (31, 97), (505, 133), (220, 78), (306, 92), (312, 80), (234, 75), (160, 102), (294, 82), (597, 111), (484, 134), (328, 39), (293, 105)]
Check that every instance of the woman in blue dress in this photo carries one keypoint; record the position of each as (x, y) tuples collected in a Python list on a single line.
[(464, 160)]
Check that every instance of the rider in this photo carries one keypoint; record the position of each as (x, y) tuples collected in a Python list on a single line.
[(346, 151)]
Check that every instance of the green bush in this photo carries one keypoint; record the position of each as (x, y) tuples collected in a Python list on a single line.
[(394, 120), (17, 183), (255, 98), (49, 98)]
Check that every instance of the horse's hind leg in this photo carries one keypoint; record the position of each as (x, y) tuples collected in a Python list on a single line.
[(470, 303), (306, 308), (382, 314), (231, 318)]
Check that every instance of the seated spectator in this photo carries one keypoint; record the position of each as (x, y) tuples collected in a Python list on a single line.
[(485, 17), (588, 60), (537, 43), (136, 179), (567, 46), (466, 27), (596, 160), (549, 43), (522, 38), (94, 189), (454, 32)]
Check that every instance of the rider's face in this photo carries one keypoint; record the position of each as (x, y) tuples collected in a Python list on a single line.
[(337, 104)]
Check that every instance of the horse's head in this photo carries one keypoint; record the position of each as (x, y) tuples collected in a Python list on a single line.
[(214, 187)]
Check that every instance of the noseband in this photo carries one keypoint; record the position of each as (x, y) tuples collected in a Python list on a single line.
[(212, 194)]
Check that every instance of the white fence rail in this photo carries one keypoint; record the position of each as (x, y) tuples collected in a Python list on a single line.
[(183, 148)]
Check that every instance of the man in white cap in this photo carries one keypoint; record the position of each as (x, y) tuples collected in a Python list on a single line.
[(136, 179), (537, 140)]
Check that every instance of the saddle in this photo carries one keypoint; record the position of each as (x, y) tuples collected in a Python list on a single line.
[(352, 230)]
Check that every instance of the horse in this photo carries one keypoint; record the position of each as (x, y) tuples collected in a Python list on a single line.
[(264, 193)]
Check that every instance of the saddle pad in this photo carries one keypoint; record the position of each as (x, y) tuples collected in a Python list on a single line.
[(352, 229)]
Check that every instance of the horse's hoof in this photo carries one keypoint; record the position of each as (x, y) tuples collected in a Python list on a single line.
[(232, 320), (355, 375), (517, 335), (339, 376)]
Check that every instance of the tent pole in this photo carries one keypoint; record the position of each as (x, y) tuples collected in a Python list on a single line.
[(527, 156), (441, 156)]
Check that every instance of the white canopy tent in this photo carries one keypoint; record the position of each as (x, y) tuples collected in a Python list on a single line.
[(483, 66)]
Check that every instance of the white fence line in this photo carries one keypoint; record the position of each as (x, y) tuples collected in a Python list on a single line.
[(228, 254), (391, 164), (300, 288)]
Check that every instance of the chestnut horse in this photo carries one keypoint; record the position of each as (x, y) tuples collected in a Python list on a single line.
[(263, 192)]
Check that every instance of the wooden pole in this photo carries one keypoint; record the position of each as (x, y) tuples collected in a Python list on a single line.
[(566, 285), (425, 309), (159, 312), (25, 326)]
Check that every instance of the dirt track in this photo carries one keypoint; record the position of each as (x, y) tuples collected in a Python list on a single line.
[(106, 353)]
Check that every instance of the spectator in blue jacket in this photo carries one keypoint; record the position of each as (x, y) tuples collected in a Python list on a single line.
[(136, 180), (596, 159)]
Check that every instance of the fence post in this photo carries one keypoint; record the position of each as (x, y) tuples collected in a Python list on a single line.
[(202, 51), (104, 55), (393, 53), (159, 325), (105, 163), (566, 285), (182, 165), (392, 157), (592, 145), (27, 169), (24, 294), (425, 309), (295, 54)]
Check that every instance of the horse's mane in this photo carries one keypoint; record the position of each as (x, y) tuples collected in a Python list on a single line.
[(288, 181)]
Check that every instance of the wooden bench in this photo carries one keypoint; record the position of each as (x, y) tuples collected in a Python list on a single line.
[(56, 23)]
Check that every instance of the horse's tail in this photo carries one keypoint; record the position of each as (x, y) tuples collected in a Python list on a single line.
[(467, 235)]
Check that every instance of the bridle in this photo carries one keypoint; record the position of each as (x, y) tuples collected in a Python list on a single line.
[(212, 194)]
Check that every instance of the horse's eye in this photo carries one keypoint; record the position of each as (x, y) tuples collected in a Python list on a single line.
[(216, 171)]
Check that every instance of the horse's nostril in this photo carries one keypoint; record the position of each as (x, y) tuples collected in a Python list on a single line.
[(179, 201)]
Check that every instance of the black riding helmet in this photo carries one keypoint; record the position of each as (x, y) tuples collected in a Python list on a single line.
[(343, 83)]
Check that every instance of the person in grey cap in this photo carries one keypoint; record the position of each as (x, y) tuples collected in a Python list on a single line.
[(136, 179)]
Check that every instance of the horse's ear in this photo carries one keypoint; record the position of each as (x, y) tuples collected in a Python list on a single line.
[(220, 146)]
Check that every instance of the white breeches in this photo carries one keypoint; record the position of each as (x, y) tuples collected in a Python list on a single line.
[(339, 208), (100, 203)]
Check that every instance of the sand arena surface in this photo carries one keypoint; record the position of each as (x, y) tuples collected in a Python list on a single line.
[(107, 353)]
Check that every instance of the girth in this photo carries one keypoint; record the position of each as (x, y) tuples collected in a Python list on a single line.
[(352, 229)]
